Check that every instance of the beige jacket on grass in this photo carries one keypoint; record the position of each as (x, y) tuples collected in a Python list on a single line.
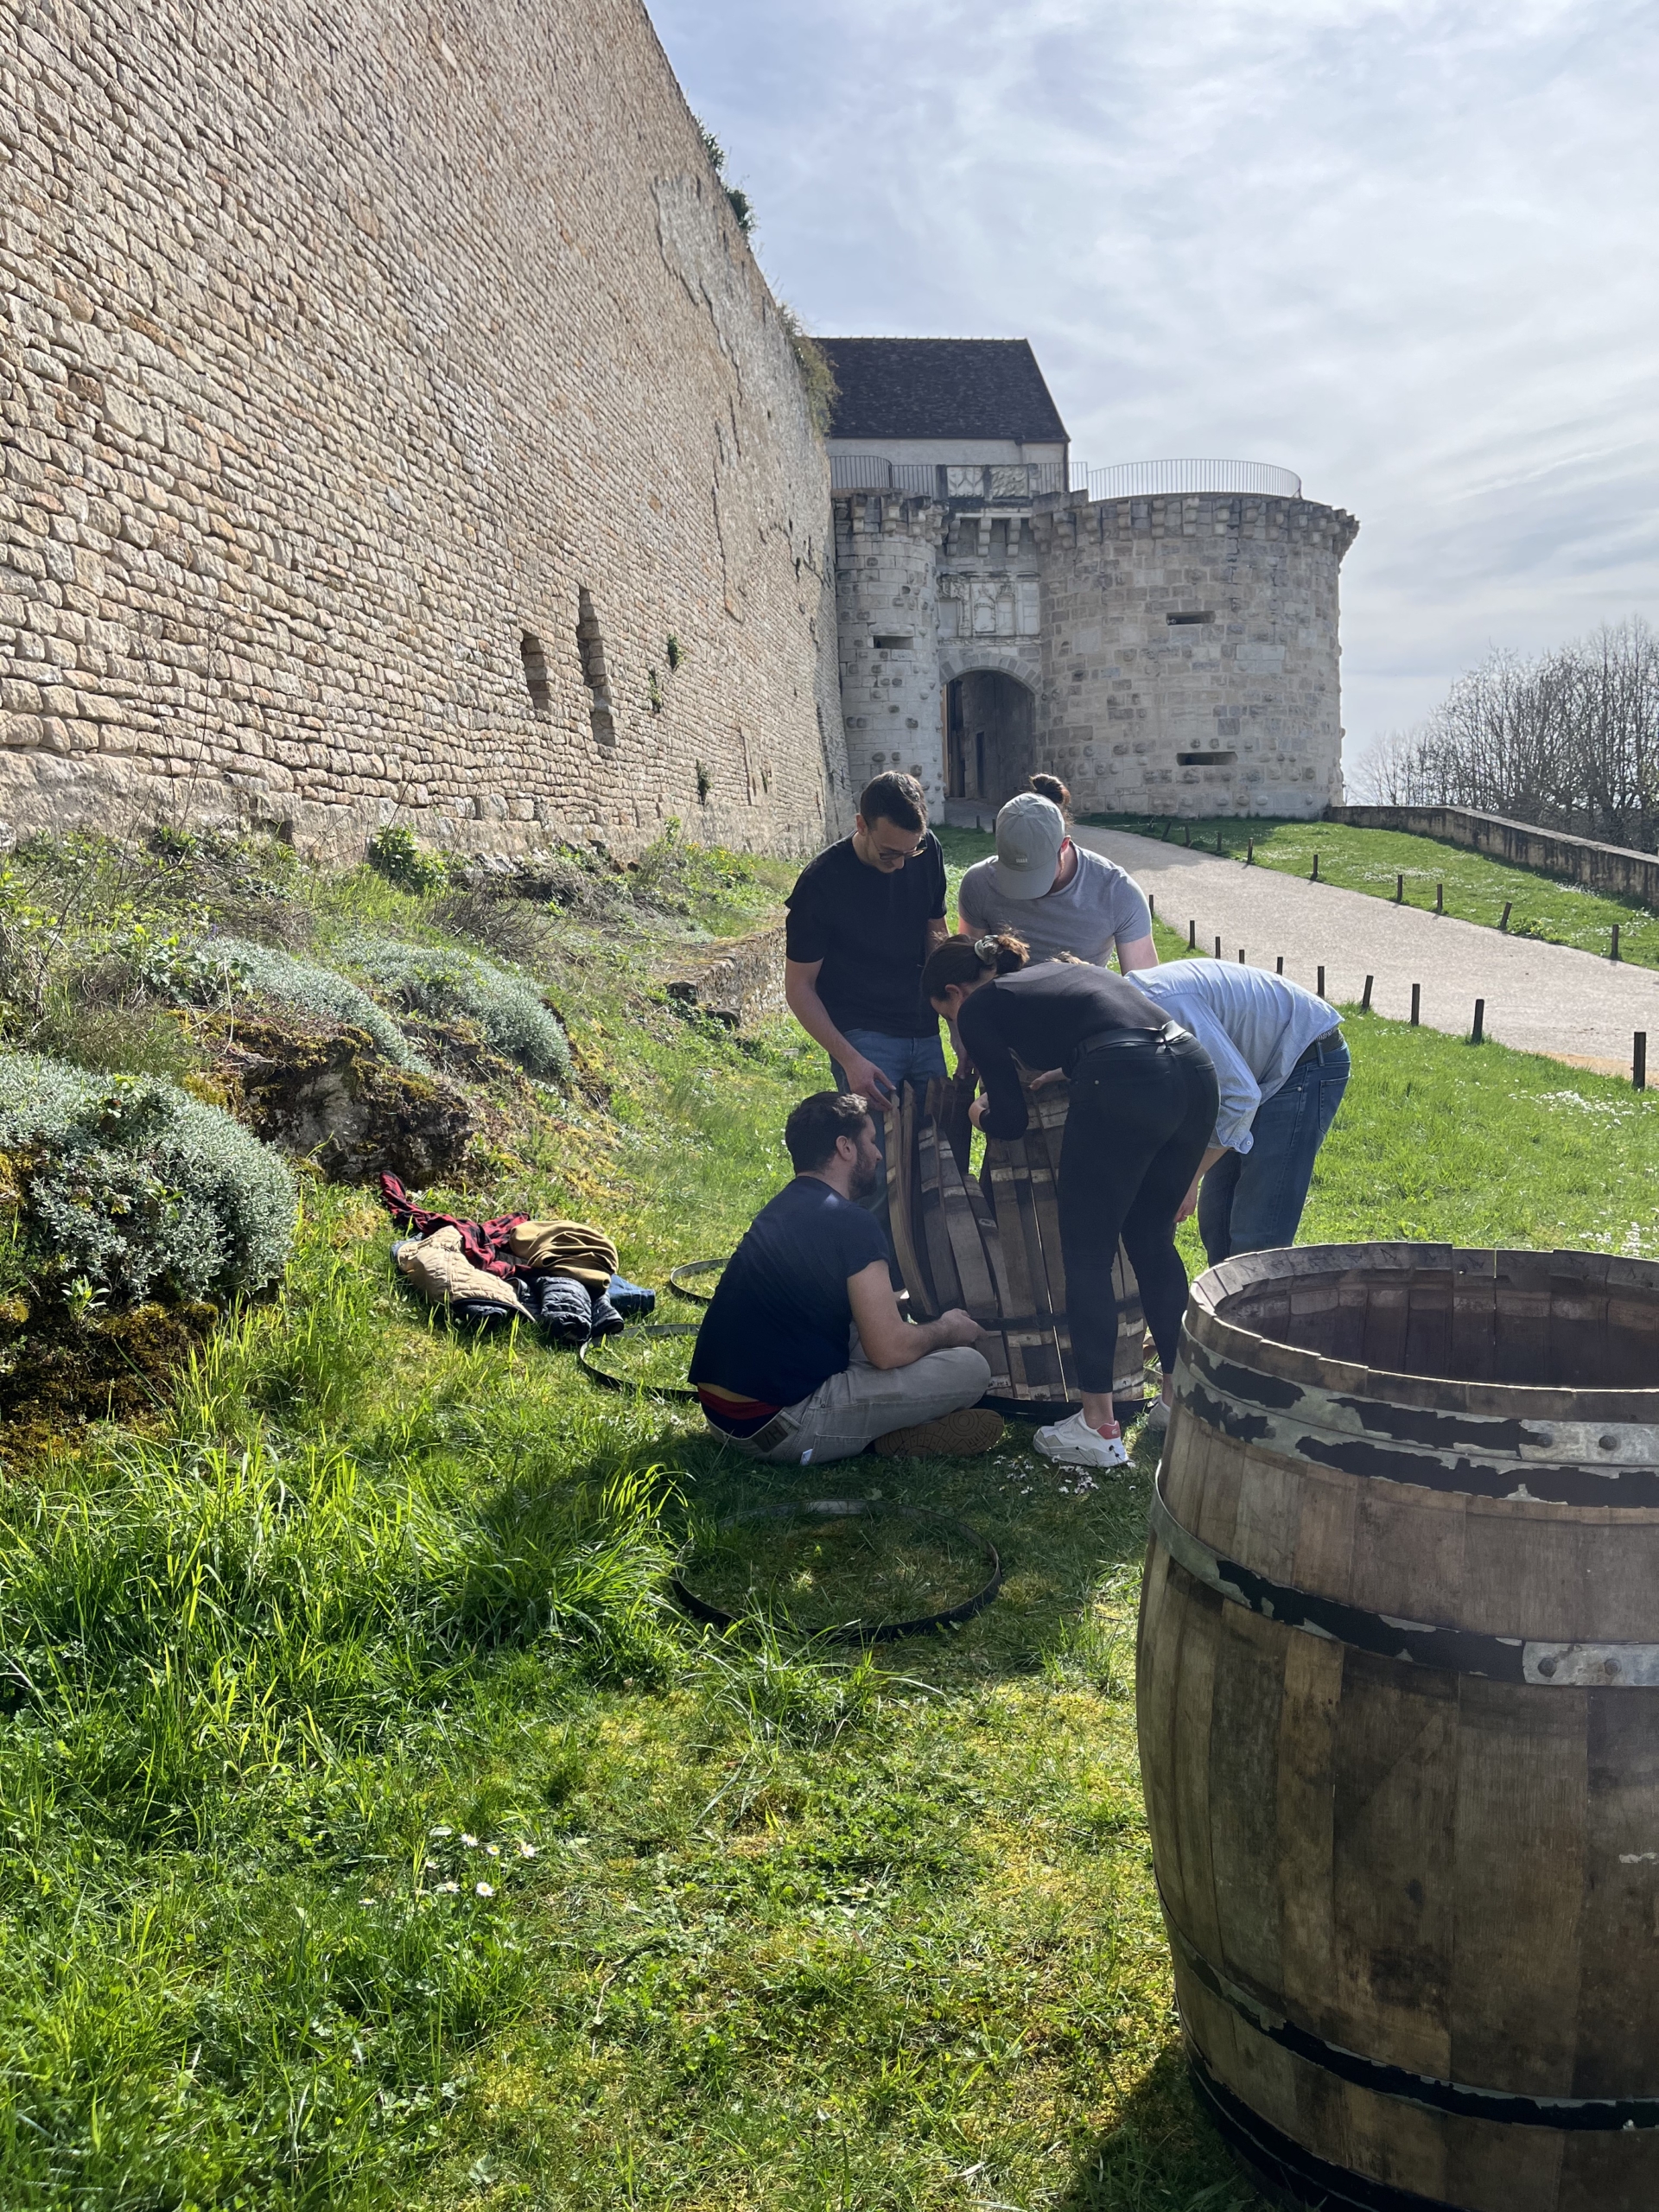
[(440, 1270)]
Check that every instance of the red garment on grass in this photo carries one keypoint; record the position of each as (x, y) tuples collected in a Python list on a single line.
[(483, 1242)]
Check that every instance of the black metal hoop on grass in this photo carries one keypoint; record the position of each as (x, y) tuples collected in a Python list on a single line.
[(682, 1391), (693, 1268), (848, 1509)]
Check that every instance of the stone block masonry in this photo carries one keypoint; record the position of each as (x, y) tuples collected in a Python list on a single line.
[(1191, 655), (381, 391)]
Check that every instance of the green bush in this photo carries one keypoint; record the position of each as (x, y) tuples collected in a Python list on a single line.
[(220, 971), (124, 1188), (395, 852), (509, 1010)]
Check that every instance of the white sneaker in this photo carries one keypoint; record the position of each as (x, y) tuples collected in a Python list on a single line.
[(1073, 1444), (1158, 1416)]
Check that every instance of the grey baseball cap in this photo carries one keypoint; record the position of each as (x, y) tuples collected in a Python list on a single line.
[(1030, 830)]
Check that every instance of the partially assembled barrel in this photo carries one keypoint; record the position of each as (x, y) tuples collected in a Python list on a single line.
[(1399, 1718), (991, 1243)]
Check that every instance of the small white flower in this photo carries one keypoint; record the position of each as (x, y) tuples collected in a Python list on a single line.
[(526, 1850), (446, 1889), (492, 1850), (482, 1889), (469, 1842), (366, 1900)]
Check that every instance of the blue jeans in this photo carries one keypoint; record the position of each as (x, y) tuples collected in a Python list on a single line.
[(901, 1059), (1253, 1201)]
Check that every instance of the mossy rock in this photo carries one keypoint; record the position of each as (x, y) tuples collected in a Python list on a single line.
[(57, 1368), (321, 1091)]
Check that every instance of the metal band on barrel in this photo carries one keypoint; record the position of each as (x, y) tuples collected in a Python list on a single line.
[(1414, 1644), (1594, 2115), (1459, 1454)]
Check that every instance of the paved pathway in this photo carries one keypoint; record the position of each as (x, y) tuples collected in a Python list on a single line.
[(1540, 998)]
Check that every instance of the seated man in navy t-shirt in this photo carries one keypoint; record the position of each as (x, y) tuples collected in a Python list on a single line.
[(803, 1354)]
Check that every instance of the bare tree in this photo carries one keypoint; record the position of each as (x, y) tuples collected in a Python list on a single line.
[(1568, 740)]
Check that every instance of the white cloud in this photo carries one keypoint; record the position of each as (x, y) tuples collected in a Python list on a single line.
[(1406, 249)]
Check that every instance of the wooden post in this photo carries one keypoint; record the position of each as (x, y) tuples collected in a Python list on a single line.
[(1399, 890), (1639, 1060), (1191, 937), (1315, 876), (1219, 847), (1365, 996), (1320, 987), (1218, 948), (1249, 854), (1439, 898), (1480, 1022), (1152, 905), (1186, 831), (1615, 950), (1168, 826), (1416, 1005), (1503, 919), (1241, 956), (1280, 969)]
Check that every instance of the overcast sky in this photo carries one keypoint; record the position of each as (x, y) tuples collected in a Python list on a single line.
[(1408, 249)]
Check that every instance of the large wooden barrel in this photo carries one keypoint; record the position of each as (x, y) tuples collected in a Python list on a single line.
[(1399, 1718)]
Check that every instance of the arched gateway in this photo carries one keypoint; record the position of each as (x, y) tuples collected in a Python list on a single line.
[(990, 735)]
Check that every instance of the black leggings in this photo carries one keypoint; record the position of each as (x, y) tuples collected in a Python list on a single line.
[(1137, 1128)]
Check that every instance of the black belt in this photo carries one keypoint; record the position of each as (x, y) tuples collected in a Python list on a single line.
[(1320, 1046), (1120, 1041)]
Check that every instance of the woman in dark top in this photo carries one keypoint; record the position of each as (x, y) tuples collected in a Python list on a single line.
[(1143, 1104)]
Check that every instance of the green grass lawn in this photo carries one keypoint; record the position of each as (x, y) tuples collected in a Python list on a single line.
[(1476, 889), (373, 1832)]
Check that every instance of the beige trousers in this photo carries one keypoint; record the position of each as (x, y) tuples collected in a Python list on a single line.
[(862, 1402)]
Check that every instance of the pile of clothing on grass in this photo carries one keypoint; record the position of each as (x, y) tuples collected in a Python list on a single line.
[(560, 1275)]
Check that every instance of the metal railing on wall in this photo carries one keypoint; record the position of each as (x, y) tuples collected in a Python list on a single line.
[(1158, 480), (995, 480), (868, 472)]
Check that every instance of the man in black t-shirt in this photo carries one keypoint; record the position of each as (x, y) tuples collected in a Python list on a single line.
[(863, 918), (804, 1354)]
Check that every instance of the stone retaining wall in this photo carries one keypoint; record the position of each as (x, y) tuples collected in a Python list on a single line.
[(744, 985), (1578, 860)]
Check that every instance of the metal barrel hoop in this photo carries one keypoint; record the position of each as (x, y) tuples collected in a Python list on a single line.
[(683, 1392), (846, 1508)]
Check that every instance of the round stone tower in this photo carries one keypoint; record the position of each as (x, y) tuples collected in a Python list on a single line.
[(1190, 653), (886, 597)]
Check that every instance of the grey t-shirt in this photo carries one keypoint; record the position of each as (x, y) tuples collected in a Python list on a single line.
[(1100, 904)]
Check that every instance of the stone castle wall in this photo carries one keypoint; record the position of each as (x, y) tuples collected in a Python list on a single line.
[(1190, 656), (356, 358)]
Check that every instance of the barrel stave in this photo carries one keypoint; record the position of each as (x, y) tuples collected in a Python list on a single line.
[(1618, 1997), (1520, 1784), (1193, 1699), (1392, 1875), (1247, 1721)]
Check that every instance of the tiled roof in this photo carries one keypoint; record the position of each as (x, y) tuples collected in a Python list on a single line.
[(941, 388)]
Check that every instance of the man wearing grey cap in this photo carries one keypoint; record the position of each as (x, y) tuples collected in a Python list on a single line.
[(1052, 894)]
